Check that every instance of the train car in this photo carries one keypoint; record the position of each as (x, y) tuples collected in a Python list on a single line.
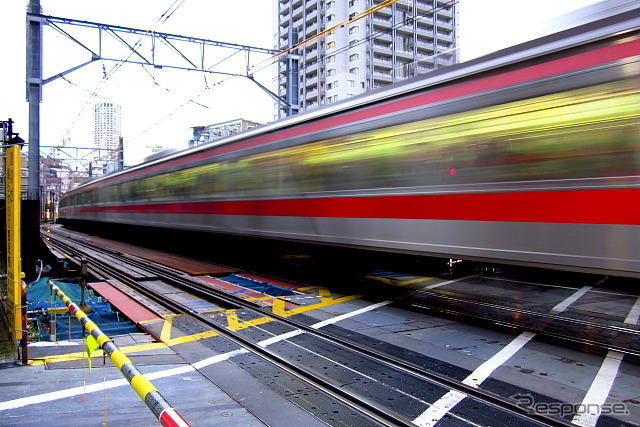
[(528, 156)]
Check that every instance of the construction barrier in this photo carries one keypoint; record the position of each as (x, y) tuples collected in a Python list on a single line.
[(168, 416)]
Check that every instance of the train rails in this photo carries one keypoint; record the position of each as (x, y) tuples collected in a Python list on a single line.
[(350, 371)]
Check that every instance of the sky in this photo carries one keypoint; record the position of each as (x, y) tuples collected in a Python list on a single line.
[(159, 107)]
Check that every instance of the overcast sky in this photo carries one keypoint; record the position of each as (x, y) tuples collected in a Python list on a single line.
[(160, 106)]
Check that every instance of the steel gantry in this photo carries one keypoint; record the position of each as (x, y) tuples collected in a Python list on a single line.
[(131, 40)]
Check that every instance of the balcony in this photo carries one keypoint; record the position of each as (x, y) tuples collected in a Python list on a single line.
[(311, 69), (382, 62), (384, 21), (445, 37), (384, 12), (297, 12), (311, 55), (311, 82), (382, 38), (403, 54), (313, 13), (444, 5), (312, 29), (284, 9), (422, 29), (425, 56), (406, 30), (382, 48), (381, 79), (425, 44), (311, 95), (379, 72)]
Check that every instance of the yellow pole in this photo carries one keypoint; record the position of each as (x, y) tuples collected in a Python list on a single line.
[(14, 265)]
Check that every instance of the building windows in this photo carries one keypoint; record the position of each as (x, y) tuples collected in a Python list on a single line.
[(348, 53)]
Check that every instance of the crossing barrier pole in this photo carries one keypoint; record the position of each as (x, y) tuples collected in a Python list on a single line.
[(150, 395)]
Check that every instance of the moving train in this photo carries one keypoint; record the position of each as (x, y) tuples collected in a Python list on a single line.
[(528, 156)]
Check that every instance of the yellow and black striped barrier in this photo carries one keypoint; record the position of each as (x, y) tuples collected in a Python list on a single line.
[(168, 416)]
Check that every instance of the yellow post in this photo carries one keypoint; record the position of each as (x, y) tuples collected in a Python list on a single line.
[(14, 266)]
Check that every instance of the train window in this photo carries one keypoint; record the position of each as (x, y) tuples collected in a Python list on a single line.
[(591, 132)]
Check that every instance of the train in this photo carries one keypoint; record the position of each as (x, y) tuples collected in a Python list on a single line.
[(527, 156)]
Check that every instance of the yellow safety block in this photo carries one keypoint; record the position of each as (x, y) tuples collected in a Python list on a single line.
[(89, 326), (119, 358), (142, 386), (102, 339)]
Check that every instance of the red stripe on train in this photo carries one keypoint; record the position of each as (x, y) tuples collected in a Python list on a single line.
[(618, 206)]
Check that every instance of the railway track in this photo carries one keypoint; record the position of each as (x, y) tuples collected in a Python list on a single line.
[(599, 336), (387, 375)]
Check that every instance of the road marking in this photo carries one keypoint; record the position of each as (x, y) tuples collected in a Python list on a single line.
[(165, 334), (601, 386), (632, 318), (599, 390), (442, 406), (77, 391), (101, 386), (573, 298), (448, 282), (483, 371), (439, 409)]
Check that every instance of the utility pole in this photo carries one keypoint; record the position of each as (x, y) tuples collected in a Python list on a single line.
[(34, 95)]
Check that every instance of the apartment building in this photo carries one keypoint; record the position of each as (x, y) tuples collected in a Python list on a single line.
[(405, 39)]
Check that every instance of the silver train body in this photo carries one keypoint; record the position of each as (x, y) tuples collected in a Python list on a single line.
[(528, 156)]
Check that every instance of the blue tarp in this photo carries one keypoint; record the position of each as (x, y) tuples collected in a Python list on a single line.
[(40, 297), (255, 285)]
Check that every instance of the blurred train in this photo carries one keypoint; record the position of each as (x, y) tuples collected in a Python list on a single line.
[(527, 156)]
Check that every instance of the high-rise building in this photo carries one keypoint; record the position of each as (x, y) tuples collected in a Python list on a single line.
[(405, 39), (107, 125)]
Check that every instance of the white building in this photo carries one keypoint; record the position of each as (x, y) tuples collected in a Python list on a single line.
[(107, 132), (202, 134), (107, 125), (405, 39)]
